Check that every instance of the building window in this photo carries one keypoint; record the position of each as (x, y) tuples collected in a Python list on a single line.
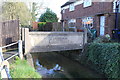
[(87, 3), (72, 25), (71, 7), (87, 22), (63, 11), (114, 5)]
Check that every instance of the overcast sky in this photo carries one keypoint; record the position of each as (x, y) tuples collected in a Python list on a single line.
[(55, 5)]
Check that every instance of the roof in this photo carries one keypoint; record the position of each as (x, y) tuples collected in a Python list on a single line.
[(73, 1), (67, 3)]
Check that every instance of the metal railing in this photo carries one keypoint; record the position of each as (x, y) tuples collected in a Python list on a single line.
[(4, 64)]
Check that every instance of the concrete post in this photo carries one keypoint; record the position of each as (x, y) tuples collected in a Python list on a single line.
[(20, 49), (27, 41), (23, 34), (84, 36)]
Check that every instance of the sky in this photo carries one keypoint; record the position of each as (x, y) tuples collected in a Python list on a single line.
[(55, 6)]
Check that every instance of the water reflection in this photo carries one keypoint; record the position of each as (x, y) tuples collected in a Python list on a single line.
[(54, 65), (48, 72)]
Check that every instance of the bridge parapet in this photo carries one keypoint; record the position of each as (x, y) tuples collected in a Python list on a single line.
[(53, 41)]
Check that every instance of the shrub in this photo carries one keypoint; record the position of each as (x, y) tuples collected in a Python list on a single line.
[(41, 26), (106, 57)]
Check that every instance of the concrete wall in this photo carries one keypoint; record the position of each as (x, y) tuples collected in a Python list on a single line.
[(53, 41)]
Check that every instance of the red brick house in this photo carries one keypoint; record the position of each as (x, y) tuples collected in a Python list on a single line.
[(87, 13)]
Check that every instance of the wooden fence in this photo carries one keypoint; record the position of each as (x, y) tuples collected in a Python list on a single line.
[(50, 26), (9, 32)]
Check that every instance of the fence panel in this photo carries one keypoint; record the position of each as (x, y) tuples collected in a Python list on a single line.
[(9, 32)]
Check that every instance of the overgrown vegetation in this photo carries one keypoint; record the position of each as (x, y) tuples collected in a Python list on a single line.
[(104, 56), (21, 69)]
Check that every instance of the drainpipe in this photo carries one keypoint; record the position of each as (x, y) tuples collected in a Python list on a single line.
[(63, 25), (116, 31), (116, 15)]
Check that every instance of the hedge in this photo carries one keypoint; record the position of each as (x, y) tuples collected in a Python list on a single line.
[(41, 26), (106, 57), (45, 26)]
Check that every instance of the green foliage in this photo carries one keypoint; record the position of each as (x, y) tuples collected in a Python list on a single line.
[(106, 56), (21, 69), (48, 16), (15, 10), (102, 39), (41, 26)]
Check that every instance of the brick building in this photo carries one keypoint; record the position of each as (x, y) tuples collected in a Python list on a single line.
[(87, 13)]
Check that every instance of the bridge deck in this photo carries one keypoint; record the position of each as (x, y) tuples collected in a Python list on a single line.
[(53, 41), (51, 48)]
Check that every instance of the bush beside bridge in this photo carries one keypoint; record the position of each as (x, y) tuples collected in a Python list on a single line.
[(104, 57)]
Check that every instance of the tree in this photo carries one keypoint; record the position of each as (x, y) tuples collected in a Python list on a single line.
[(33, 13), (37, 9), (15, 10), (48, 16)]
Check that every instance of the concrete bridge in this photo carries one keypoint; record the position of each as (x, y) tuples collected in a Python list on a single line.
[(52, 41)]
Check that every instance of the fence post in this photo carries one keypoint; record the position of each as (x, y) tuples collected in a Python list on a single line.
[(20, 49), (1, 61), (1, 56), (3, 72), (85, 36)]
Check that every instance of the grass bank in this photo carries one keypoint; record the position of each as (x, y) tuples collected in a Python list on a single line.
[(21, 69)]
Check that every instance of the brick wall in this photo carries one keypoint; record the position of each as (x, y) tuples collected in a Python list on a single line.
[(96, 10), (35, 25), (97, 7)]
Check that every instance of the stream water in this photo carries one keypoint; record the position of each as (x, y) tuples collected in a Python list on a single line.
[(55, 65)]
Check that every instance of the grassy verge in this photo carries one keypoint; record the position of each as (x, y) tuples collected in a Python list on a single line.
[(21, 69)]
